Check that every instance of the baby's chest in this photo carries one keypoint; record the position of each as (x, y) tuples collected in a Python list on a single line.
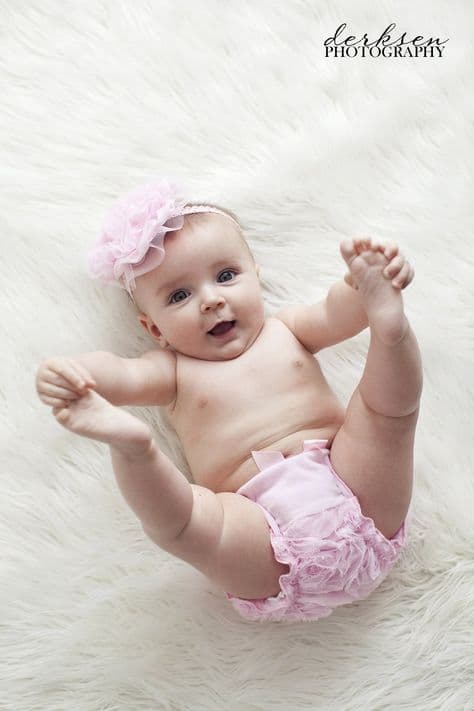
[(250, 387), (237, 390)]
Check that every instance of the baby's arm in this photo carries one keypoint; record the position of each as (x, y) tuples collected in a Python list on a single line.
[(148, 380), (341, 314), (345, 315), (336, 318)]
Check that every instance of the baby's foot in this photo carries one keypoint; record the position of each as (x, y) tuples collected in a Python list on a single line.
[(383, 303), (94, 417)]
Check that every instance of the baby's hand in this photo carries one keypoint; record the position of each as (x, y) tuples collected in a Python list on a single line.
[(398, 269), (60, 380)]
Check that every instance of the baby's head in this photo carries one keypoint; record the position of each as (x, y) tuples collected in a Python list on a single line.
[(207, 273)]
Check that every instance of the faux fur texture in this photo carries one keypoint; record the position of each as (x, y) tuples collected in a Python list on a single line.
[(237, 100)]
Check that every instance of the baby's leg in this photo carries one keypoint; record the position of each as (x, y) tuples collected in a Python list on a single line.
[(224, 535), (162, 499), (373, 450)]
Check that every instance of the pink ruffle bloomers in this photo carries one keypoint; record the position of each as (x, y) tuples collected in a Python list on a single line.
[(336, 555)]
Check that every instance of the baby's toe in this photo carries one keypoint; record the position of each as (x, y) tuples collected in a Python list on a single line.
[(359, 269), (347, 250), (62, 414)]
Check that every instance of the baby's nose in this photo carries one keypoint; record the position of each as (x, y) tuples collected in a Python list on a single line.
[(211, 299)]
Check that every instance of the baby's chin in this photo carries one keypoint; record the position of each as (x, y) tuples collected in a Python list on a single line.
[(231, 351), (221, 352), (213, 356)]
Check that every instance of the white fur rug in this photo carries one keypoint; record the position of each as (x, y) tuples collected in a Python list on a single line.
[(238, 101)]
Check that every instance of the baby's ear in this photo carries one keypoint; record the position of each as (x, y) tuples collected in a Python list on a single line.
[(148, 325), (152, 329), (143, 321)]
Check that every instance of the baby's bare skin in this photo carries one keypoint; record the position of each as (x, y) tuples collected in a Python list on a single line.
[(278, 407), (226, 409), (272, 397), (261, 390)]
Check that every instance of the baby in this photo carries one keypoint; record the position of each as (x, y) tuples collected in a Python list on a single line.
[(298, 505)]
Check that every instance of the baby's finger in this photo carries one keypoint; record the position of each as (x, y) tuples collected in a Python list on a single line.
[(362, 244), (55, 391), (65, 369), (394, 266), (410, 276), (84, 373), (401, 280), (54, 401), (391, 250), (377, 246), (53, 380)]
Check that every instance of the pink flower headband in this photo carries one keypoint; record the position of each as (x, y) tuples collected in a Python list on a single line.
[(134, 229)]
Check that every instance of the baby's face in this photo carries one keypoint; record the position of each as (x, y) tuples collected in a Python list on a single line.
[(206, 276)]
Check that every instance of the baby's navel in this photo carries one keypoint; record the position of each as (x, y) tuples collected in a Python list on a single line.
[(298, 363), (202, 402)]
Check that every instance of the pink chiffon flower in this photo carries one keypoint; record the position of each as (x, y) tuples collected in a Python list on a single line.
[(133, 232)]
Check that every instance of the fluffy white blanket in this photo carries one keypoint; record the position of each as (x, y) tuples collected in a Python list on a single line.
[(238, 101)]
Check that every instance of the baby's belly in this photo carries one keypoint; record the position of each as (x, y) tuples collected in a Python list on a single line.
[(222, 459), (288, 446)]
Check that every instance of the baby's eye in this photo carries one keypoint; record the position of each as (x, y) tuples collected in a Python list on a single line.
[(227, 271), (172, 301)]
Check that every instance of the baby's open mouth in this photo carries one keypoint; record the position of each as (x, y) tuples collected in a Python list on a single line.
[(222, 328)]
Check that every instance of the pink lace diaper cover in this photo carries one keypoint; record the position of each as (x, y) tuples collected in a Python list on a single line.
[(336, 555)]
